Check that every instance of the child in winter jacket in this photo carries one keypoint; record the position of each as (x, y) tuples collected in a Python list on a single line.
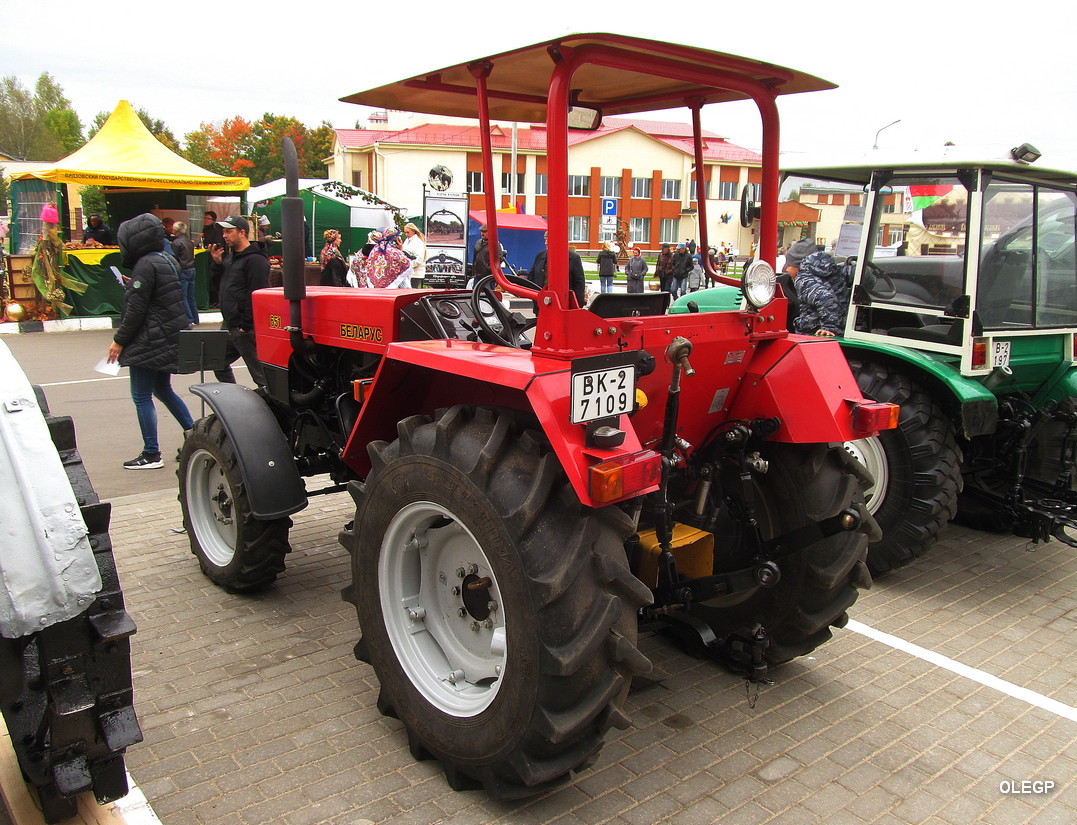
[(823, 292)]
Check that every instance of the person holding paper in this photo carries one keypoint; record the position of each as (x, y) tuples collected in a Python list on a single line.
[(147, 341)]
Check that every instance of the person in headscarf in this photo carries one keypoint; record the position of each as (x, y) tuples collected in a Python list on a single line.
[(384, 266), (334, 268)]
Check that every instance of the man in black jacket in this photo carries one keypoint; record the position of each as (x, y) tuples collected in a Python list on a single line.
[(577, 280), (243, 269), (147, 341)]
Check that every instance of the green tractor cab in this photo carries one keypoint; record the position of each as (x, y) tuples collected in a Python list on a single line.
[(968, 322)]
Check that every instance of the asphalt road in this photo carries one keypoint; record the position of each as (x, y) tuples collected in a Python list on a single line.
[(105, 423)]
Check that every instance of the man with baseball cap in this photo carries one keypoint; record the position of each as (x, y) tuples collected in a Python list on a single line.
[(243, 269)]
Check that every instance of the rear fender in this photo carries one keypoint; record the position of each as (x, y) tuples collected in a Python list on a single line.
[(805, 383), (272, 481), (973, 408), (421, 377)]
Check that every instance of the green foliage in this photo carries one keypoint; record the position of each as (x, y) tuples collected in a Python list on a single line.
[(93, 200), (39, 125), (236, 147)]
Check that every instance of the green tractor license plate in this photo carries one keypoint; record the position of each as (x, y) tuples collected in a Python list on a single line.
[(1000, 354)]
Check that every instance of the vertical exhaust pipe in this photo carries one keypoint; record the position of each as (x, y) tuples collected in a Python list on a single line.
[(291, 210)]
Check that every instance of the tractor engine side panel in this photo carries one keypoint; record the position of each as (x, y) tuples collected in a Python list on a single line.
[(356, 319)]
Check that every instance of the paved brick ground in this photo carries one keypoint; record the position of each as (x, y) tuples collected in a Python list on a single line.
[(255, 710)]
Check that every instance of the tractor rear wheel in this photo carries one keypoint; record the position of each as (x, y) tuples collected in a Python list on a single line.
[(235, 550), (916, 467), (498, 613), (804, 484)]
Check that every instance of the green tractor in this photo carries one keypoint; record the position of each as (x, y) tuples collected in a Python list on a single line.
[(963, 310)]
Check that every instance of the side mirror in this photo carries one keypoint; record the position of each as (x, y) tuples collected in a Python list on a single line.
[(749, 211), (584, 118)]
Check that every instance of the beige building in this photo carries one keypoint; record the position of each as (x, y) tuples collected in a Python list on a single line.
[(644, 165)]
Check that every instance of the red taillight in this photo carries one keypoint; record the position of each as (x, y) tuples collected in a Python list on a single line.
[(878, 415), (625, 476), (979, 353)]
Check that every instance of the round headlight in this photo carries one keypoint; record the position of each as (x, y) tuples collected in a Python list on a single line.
[(758, 284)]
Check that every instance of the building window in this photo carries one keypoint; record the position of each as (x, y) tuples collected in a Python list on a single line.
[(671, 190), (669, 230), (357, 178), (641, 188), (474, 181), (540, 184), (506, 183), (706, 189), (727, 190), (578, 228), (640, 230), (579, 185), (822, 199), (611, 187)]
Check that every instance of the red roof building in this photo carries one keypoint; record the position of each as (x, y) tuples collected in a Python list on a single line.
[(644, 165)]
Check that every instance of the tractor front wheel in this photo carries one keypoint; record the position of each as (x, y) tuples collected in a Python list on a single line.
[(235, 550), (916, 468), (498, 613)]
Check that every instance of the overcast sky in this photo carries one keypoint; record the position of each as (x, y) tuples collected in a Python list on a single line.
[(986, 75)]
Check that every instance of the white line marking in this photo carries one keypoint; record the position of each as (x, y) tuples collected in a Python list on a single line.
[(1024, 694), (85, 381)]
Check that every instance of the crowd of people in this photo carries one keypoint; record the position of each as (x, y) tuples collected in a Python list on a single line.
[(159, 300)]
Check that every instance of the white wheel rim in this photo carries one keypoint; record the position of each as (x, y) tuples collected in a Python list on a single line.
[(211, 507), (455, 661), (870, 453)]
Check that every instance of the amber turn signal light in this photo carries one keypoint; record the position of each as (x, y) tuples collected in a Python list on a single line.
[(625, 476), (877, 415)]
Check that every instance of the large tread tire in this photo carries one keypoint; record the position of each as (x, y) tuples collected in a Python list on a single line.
[(804, 484), (567, 609), (72, 718), (917, 491), (235, 550)]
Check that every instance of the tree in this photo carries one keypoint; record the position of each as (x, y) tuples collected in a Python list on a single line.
[(225, 148), (38, 126)]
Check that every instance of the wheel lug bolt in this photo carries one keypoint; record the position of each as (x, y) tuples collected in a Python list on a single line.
[(472, 569), (454, 677), (461, 612), (487, 623), (455, 590), (497, 669), (491, 606), (475, 626), (460, 572)]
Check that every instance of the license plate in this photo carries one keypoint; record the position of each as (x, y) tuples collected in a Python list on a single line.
[(1000, 354), (603, 393)]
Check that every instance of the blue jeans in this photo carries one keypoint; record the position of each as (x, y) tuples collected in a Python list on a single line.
[(146, 385), (189, 302), (677, 285), (605, 283)]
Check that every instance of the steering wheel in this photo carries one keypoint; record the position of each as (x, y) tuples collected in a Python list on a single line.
[(879, 277), (510, 326)]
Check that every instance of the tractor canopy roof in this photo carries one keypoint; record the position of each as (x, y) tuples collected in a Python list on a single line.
[(860, 170), (519, 81)]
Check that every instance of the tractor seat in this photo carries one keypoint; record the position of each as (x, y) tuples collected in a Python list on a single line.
[(932, 333), (626, 305)]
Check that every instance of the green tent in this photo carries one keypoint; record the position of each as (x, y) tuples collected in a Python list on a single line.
[(327, 205)]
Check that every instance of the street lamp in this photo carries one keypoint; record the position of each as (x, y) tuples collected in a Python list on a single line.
[(887, 126)]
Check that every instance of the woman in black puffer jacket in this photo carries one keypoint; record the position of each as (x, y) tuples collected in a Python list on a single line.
[(147, 341)]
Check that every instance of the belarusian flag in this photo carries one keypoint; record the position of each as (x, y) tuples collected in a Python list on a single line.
[(919, 197)]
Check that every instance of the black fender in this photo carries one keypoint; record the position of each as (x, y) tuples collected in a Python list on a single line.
[(274, 487)]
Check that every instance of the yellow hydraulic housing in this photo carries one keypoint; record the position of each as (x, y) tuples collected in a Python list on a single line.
[(692, 548)]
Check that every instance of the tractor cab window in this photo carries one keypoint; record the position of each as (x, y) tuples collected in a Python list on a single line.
[(1027, 273)]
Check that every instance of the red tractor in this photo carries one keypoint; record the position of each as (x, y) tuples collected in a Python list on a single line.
[(528, 491)]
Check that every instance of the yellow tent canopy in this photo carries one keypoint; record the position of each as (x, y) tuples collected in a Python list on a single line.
[(124, 153)]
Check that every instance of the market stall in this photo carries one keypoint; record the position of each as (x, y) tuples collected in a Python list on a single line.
[(140, 174)]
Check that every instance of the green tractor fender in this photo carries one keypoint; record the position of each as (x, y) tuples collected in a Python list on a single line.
[(972, 406)]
